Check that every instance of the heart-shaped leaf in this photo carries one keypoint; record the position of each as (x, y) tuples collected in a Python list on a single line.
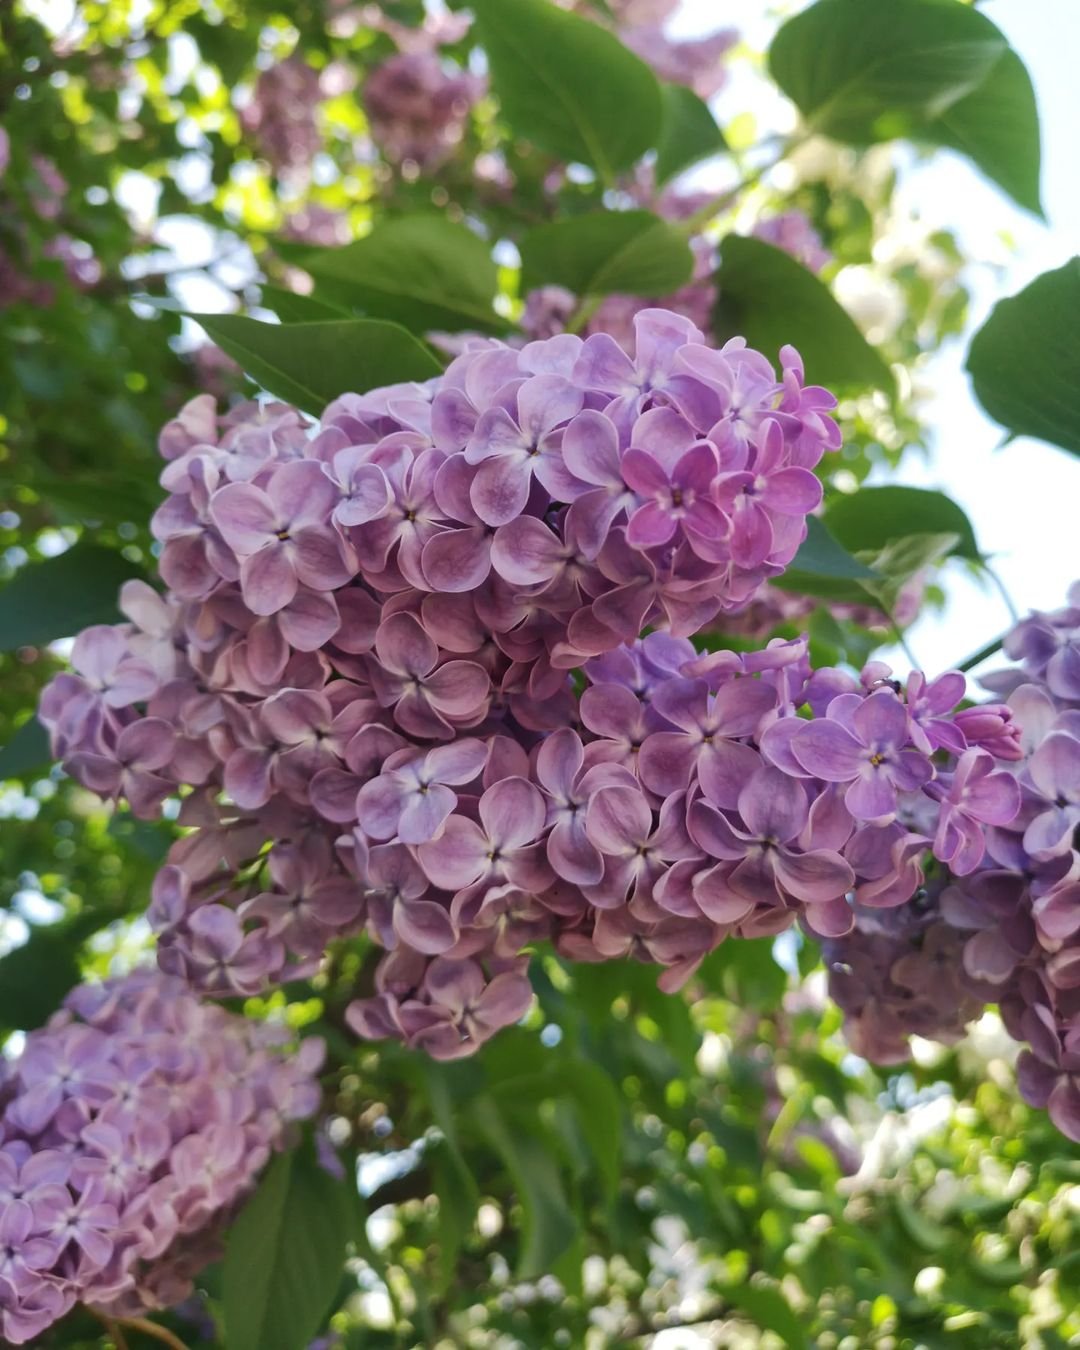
[(1024, 361), (770, 299), (426, 272), (569, 86), (310, 364), (631, 252)]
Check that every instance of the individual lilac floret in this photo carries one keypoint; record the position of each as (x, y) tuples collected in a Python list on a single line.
[(864, 743), (132, 1124)]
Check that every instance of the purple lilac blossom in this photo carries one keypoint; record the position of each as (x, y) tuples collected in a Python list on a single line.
[(418, 107), (131, 1125), (364, 671), (1003, 923), (281, 116), (793, 232)]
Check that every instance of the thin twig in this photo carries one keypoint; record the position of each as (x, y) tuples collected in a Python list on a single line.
[(707, 214), (901, 639), (587, 307), (978, 657), (112, 1328), (154, 1331), (1002, 590)]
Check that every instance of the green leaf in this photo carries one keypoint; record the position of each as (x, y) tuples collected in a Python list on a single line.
[(824, 567), (900, 559), (999, 1273), (866, 73), (35, 977), (632, 252), (310, 364), (293, 308), (874, 516), (688, 132), (1024, 362), (425, 272), (770, 299), (769, 1310), (26, 751), (569, 86), (549, 1226), (455, 1185), (596, 1104), (284, 1255), (130, 497), (997, 127), (932, 70), (59, 596)]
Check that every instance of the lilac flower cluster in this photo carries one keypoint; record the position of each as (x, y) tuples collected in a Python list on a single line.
[(1005, 924), (367, 658), (130, 1127), (282, 115), (697, 63), (899, 973), (38, 201), (418, 107), (793, 232)]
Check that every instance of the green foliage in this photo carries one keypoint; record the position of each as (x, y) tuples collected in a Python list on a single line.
[(25, 751), (567, 85), (997, 127), (35, 977), (876, 516), (277, 1289), (717, 1154), (58, 596), (310, 364), (425, 272), (615, 251), (1025, 359), (770, 299), (935, 70), (824, 567), (292, 308), (868, 74), (688, 132)]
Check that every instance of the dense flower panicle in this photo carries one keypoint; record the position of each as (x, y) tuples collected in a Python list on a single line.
[(365, 659), (899, 973), (130, 1127), (1004, 925), (418, 108), (282, 115)]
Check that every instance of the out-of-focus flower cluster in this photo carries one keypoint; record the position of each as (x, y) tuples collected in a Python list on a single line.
[(282, 115), (641, 25), (130, 1127), (793, 232), (1002, 926), (405, 647), (37, 198), (418, 102)]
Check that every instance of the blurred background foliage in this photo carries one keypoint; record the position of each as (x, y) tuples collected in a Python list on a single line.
[(629, 1167)]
